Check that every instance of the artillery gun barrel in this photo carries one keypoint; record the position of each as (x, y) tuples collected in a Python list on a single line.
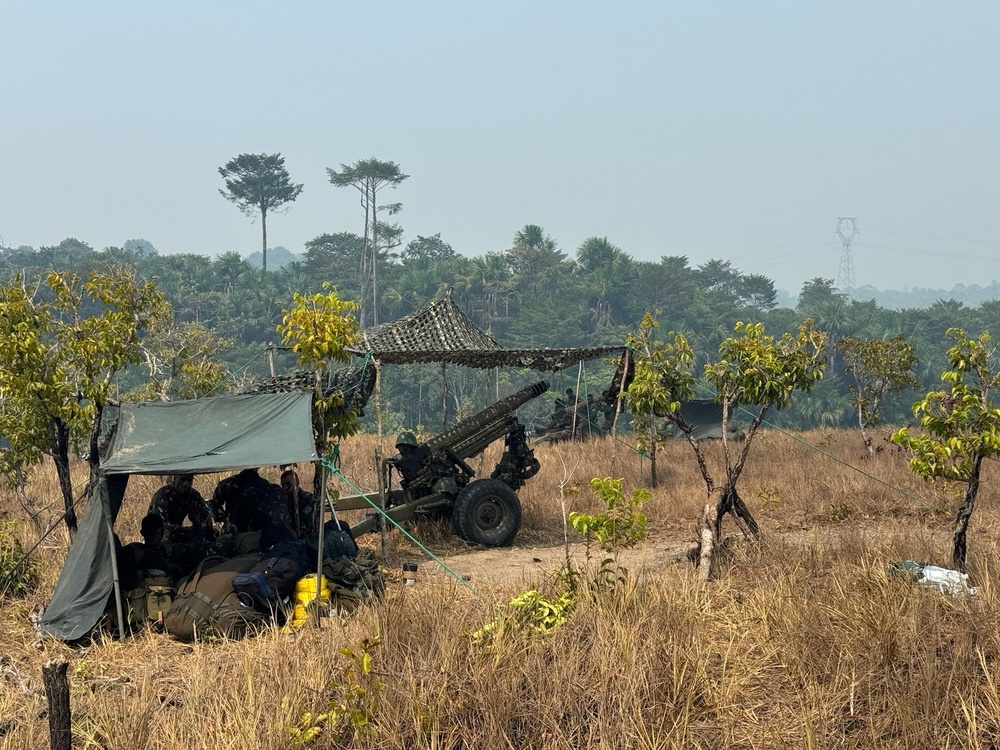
[(477, 443), (467, 437)]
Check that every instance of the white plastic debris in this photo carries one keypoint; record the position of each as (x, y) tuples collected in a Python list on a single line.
[(946, 581)]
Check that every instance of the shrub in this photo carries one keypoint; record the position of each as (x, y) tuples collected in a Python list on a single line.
[(18, 576)]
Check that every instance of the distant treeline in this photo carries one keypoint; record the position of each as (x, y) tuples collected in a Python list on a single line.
[(529, 295)]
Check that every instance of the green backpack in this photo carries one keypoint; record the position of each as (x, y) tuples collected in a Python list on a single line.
[(151, 600)]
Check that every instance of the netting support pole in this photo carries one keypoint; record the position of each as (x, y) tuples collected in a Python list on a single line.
[(618, 404), (378, 451), (576, 398), (444, 396)]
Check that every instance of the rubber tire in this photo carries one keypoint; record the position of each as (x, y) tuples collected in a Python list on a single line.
[(487, 512)]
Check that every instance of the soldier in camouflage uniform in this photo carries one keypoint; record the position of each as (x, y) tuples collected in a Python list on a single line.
[(301, 504), (248, 501), (176, 501)]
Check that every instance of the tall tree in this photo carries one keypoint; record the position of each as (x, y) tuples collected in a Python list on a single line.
[(369, 177), (258, 184)]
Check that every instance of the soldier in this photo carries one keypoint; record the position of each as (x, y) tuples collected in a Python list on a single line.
[(138, 558), (410, 458), (248, 495), (301, 504), (176, 501)]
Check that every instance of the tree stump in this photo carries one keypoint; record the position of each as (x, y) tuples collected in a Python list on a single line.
[(57, 695)]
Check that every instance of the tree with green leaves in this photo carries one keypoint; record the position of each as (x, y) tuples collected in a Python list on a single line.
[(58, 360), (662, 380), (369, 177), (318, 328), (428, 248), (817, 292), (959, 426), (879, 369), (258, 184), (754, 370), (533, 253), (182, 360)]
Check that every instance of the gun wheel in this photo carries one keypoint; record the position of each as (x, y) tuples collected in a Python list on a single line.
[(487, 512)]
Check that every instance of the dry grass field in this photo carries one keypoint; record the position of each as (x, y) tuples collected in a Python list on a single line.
[(801, 642)]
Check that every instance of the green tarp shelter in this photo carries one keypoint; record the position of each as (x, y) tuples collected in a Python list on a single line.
[(225, 433)]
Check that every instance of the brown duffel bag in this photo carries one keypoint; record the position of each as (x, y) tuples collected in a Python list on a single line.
[(206, 605)]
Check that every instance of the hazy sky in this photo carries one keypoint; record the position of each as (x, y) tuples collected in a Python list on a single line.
[(706, 129)]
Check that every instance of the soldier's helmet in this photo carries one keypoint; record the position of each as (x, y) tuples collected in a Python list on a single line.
[(406, 438)]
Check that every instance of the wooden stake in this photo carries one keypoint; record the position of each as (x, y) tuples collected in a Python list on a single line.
[(57, 695)]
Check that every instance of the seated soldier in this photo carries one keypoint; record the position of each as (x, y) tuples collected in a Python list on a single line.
[(301, 504), (138, 559), (178, 500), (411, 457), (248, 495)]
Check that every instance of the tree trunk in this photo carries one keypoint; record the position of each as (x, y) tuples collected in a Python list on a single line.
[(57, 694), (965, 513), (363, 269), (94, 452), (60, 455), (652, 457), (374, 259), (721, 501), (263, 233), (709, 531), (865, 437)]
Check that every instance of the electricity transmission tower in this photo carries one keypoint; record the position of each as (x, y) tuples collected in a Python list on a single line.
[(848, 232)]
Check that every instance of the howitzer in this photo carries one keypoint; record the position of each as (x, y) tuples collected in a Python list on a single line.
[(436, 478)]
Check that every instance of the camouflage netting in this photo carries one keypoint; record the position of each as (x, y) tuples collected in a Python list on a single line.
[(441, 332), (354, 383)]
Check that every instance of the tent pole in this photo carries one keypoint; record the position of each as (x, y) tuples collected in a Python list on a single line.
[(576, 398), (114, 564), (618, 405), (270, 358), (444, 396), (378, 452), (323, 496), (621, 390)]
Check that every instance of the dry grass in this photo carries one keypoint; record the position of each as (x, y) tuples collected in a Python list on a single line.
[(802, 642)]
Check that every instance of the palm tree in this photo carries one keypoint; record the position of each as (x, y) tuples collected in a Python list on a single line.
[(533, 252), (228, 267), (607, 271)]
